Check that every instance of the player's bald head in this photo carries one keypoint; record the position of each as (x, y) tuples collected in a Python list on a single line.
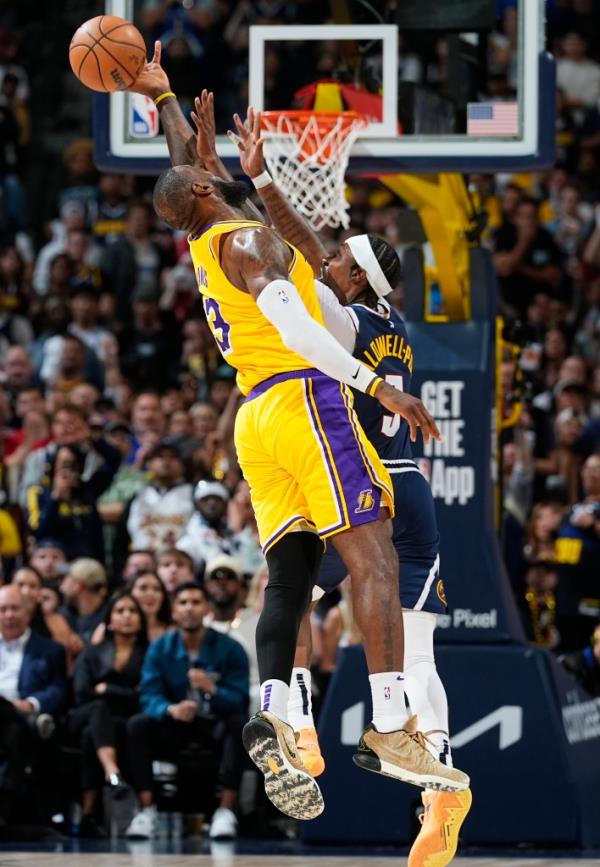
[(173, 197), (183, 195)]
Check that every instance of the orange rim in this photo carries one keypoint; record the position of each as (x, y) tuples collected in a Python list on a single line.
[(298, 120)]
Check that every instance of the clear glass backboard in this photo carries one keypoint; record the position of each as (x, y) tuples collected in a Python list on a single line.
[(446, 84)]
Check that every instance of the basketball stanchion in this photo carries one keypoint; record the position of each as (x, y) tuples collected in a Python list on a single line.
[(307, 154)]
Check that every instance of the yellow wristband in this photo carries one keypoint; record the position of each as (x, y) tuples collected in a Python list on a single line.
[(164, 96), (373, 385)]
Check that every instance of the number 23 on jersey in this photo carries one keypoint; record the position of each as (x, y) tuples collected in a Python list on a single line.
[(217, 324)]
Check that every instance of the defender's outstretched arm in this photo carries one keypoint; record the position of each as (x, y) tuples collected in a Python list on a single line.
[(285, 218)]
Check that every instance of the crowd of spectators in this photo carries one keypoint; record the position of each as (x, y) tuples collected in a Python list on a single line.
[(132, 572)]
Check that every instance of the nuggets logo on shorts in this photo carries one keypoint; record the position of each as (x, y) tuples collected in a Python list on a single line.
[(366, 501), (441, 592)]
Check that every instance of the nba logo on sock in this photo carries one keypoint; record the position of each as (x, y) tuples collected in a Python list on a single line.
[(387, 693)]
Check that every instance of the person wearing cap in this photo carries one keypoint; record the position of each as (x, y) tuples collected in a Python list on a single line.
[(207, 533), (157, 516), (224, 585)]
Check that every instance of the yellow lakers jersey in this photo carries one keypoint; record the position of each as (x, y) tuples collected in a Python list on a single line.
[(246, 338)]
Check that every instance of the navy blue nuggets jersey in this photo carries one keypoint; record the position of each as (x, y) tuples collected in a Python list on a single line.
[(382, 344)]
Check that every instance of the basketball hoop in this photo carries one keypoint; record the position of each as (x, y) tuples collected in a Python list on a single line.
[(307, 154)]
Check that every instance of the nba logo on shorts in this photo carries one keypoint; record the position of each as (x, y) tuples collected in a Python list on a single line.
[(366, 501), (143, 116), (387, 693), (283, 295)]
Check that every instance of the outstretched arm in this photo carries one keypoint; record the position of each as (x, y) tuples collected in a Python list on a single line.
[(206, 150), (154, 82), (285, 218), (206, 132), (257, 261)]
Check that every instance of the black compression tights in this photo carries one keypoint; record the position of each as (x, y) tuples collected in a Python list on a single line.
[(293, 564)]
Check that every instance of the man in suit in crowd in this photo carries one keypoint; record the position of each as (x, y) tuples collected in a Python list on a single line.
[(32, 683)]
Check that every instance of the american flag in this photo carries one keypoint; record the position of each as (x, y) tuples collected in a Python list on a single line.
[(492, 118)]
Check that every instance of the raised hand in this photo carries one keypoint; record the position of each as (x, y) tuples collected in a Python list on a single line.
[(152, 80), (410, 408), (249, 142), (204, 121)]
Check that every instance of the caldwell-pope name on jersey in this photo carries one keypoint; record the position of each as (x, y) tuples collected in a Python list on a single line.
[(388, 346)]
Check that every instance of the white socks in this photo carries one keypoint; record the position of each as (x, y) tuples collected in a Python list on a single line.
[(300, 700), (274, 696), (424, 688), (389, 707)]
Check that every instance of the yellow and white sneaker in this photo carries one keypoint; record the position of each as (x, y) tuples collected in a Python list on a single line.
[(437, 841), (307, 742), (403, 754)]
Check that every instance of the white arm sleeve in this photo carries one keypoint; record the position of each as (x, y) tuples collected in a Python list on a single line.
[(281, 304), (338, 319)]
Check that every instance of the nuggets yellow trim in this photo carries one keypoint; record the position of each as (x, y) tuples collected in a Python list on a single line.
[(373, 385)]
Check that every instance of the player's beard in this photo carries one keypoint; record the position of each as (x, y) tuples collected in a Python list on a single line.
[(235, 193), (326, 278)]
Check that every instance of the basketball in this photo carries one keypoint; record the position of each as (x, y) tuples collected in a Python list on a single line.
[(107, 53)]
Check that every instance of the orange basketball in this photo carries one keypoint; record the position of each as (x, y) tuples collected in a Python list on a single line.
[(107, 53)]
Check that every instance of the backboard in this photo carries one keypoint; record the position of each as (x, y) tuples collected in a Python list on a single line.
[(442, 92)]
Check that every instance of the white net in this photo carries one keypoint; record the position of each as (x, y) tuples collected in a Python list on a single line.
[(307, 155)]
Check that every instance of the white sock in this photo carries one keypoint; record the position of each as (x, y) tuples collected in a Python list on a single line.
[(424, 688), (274, 698), (389, 707), (300, 700)]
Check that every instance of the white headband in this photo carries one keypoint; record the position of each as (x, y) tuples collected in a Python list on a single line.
[(365, 257)]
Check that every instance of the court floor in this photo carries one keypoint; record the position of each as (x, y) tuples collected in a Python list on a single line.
[(225, 858)]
